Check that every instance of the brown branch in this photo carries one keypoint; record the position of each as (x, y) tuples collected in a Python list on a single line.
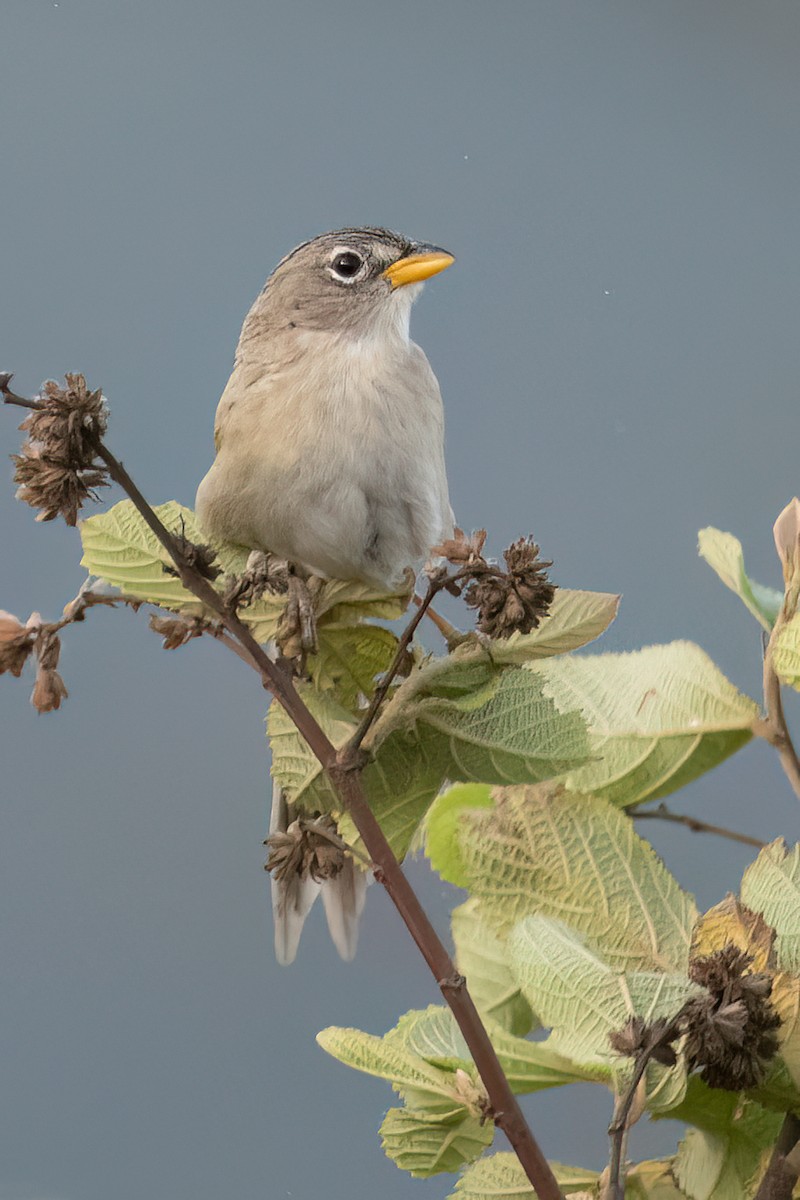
[(345, 776), (774, 729), (662, 813), (783, 1170), (617, 1130), (448, 631)]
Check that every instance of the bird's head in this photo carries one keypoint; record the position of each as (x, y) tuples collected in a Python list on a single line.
[(351, 282)]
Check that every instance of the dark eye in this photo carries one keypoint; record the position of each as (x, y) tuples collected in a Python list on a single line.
[(347, 264)]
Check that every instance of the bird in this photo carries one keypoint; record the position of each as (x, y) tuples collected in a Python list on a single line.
[(329, 442)]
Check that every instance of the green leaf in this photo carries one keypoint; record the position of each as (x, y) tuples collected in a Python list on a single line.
[(657, 717), (723, 553), (120, 548), (425, 1145), (652, 1180), (786, 653), (724, 1156), (388, 1058), (349, 658), (501, 1177), (577, 859), (293, 764), (771, 885), (505, 730), (483, 958), (579, 996), (441, 828), (575, 619)]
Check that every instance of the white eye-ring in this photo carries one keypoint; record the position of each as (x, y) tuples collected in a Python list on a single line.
[(346, 265)]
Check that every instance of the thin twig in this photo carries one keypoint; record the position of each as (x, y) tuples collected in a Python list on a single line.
[(448, 631), (619, 1127), (774, 728), (662, 813), (345, 775), (782, 1172), (382, 690)]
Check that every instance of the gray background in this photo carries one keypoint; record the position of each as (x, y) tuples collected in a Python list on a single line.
[(617, 347)]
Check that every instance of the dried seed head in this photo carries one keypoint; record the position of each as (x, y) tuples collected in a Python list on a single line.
[(57, 469), (304, 849), (48, 689), (177, 631), (654, 1039), (516, 600), (731, 1032), (16, 642), (462, 548)]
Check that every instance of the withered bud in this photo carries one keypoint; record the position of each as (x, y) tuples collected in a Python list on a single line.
[(731, 1032), (48, 689), (308, 847), (263, 573), (200, 556), (786, 532), (515, 601), (653, 1039), (177, 631), (16, 641), (57, 469), (462, 548)]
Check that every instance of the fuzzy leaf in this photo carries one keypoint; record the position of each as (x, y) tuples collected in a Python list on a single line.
[(786, 653), (577, 859), (442, 845), (119, 548), (424, 1145), (723, 1158), (723, 553), (575, 618), (580, 997), (501, 1177), (349, 658), (657, 717), (388, 1058), (771, 885), (483, 957)]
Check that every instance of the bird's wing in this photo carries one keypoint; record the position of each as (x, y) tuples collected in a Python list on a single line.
[(291, 898), (343, 897)]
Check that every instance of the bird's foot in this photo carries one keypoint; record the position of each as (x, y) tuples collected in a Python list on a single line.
[(297, 632)]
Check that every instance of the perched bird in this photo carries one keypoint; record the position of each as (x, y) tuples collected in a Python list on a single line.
[(330, 452)]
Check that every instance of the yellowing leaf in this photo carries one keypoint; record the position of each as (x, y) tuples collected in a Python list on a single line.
[(424, 1145), (657, 717), (723, 553), (575, 618), (730, 921), (771, 885), (786, 653), (578, 859), (501, 1177)]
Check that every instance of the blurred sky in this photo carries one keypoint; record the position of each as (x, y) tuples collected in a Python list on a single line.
[(617, 347)]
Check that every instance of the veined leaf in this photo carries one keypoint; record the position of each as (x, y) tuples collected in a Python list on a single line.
[(723, 1158), (575, 618), (119, 548), (771, 885), (424, 1145), (577, 859), (657, 717), (433, 1034), (731, 922), (786, 653), (723, 553), (389, 1059), (501, 1177), (441, 828), (349, 658), (482, 956), (579, 996)]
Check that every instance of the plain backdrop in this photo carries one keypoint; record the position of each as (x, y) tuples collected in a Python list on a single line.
[(617, 347)]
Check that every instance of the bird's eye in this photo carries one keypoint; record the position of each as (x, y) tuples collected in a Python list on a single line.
[(347, 264)]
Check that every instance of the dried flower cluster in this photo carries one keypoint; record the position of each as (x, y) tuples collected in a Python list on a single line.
[(18, 642), (308, 847), (730, 1030), (57, 469), (655, 1040), (731, 1033), (514, 600)]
